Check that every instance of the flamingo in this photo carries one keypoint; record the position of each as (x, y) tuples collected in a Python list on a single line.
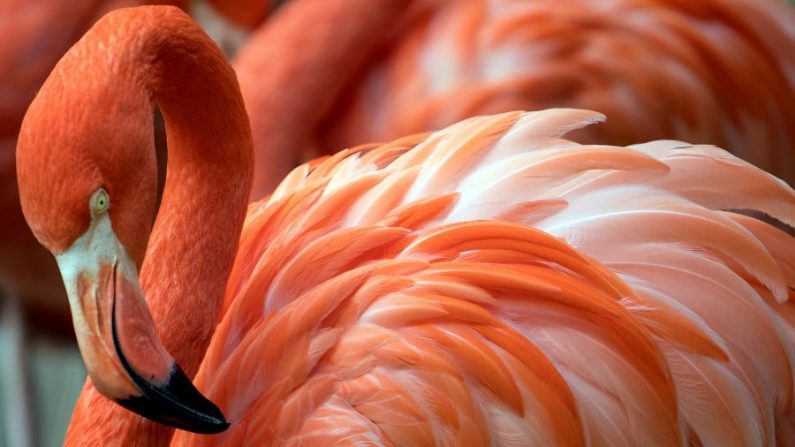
[(492, 283), (714, 71)]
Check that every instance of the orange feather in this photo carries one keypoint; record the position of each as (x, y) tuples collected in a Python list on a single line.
[(530, 326)]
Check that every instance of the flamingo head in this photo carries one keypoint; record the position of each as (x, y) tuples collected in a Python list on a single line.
[(87, 185)]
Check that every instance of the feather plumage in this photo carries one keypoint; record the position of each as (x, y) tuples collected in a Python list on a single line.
[(603, 302)]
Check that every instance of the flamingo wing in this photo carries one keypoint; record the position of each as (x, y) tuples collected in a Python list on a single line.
[(494, 283)]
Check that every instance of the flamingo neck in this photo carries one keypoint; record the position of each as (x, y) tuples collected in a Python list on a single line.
[(195, 235), (293, 70)]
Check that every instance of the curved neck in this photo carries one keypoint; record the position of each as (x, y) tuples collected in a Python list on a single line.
[(163, 57), (293, 69)]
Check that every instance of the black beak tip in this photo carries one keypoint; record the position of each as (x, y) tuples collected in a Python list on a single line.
[(176, 403)]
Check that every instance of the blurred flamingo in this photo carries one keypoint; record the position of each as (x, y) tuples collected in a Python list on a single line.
[(493, 283), (712, 71), (244, 13), (313, 47)]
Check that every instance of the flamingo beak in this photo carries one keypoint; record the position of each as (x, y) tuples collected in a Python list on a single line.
[(116, 334)]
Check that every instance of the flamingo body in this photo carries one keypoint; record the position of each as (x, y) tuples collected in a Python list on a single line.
[(717, 72), (495, 284)]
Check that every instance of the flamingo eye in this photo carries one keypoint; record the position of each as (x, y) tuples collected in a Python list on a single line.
[(100, 202)]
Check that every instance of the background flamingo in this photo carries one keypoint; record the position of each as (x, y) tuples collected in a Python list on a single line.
[(293, 52), (712, 71), (489, 284), (245, 13)]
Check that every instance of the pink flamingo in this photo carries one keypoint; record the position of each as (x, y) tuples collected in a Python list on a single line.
[(715, 71), (493, 283)]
